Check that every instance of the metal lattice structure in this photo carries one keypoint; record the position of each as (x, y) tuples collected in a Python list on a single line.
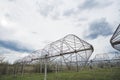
[(100, 60), (105, 60), (71, 49), (115, 40), (101, 57), (68, 51), (116, 59)]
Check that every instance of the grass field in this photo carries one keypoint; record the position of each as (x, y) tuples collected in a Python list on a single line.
[(94, 74)]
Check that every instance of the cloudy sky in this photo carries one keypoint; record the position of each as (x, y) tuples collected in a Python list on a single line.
[(28, 25)]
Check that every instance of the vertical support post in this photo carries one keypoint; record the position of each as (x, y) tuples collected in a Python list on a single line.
[(15, 70), (77, 64), (45, 77), (41, 64), (23, 65), (56, 68), (61, 67)]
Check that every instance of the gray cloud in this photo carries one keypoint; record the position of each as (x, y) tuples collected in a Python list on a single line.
[(88, 4), (14, 45), (68, 12), (45, 9), (11, 0), (99, 27)]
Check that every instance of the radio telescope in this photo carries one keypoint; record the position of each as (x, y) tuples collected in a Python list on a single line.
[(70, 49), (115, 40)]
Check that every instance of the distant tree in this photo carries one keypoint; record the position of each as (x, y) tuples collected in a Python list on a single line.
[(4, 68), (1, 58)]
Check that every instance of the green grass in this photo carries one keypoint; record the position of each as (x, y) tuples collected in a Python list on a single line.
[(94, 74)]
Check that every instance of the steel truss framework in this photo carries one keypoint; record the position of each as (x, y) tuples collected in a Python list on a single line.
[(100, 57), (68, 52), (115, 40), (111, 56), (70, 49), (105, 59)]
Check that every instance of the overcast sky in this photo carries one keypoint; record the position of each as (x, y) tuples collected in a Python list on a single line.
[(28, 25)]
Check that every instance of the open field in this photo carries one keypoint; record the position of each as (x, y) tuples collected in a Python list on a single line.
[(93, 74)]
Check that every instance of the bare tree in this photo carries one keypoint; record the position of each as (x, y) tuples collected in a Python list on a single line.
[(1, 58)]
